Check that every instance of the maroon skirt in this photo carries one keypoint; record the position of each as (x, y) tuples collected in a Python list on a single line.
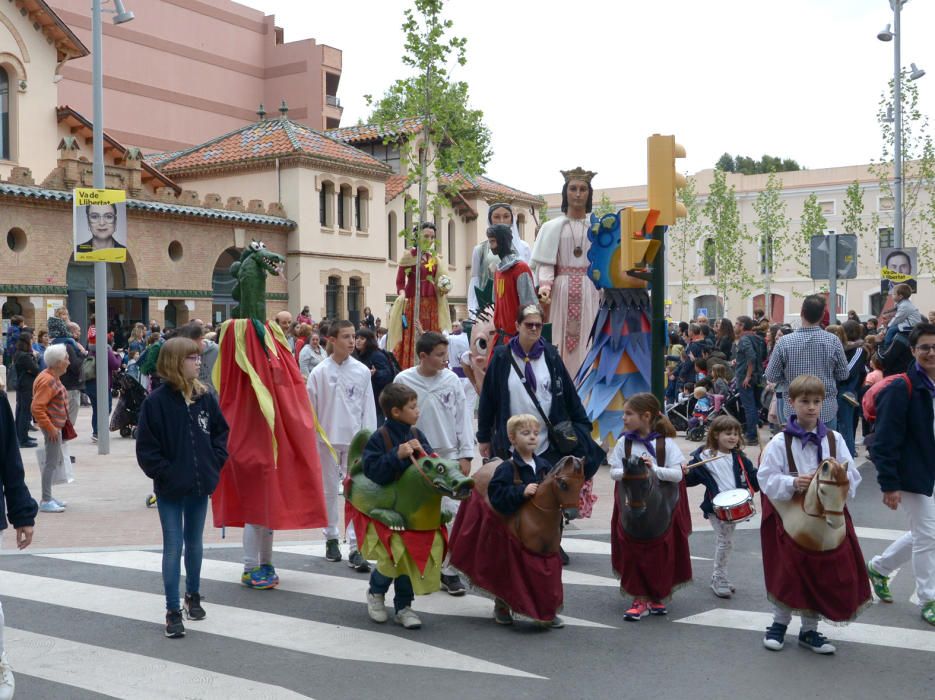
[(652, 569), (832, 584), (494, 560)]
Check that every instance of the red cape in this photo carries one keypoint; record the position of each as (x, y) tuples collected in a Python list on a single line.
[(831, 584), (281, 491), (652, 569), (495, 561)]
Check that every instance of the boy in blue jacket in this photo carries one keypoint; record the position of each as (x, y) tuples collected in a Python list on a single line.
[(400, 405)]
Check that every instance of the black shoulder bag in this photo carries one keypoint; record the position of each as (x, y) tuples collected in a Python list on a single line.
[(562, 435)]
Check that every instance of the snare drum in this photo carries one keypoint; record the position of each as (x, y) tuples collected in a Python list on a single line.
[(734, 506)]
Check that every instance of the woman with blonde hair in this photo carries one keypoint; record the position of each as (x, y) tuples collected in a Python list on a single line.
[(181, 445)]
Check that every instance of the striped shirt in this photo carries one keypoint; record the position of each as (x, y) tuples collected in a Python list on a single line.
[(810, 350), (49, 402)]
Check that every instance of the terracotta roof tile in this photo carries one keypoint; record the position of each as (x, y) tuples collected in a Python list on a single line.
[(395, 184), (489, 188), (266, 139), (363, 133)]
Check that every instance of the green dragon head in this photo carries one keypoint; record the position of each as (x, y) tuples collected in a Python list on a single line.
[(250, 272)]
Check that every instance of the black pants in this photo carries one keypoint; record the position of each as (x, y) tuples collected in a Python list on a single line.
[(23, 412)]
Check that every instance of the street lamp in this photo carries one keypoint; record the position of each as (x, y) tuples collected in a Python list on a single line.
[(121, 15), (888, 34)]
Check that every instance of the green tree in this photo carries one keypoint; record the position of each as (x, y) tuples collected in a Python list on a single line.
[(725, 163), (457, 134), (729, 235), (798, 244), (853, 219), (604, 206), (745, 165), (918, 158), (772, 223), (681, 240)]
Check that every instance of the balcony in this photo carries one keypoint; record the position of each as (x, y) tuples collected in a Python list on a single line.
[(333, 101)]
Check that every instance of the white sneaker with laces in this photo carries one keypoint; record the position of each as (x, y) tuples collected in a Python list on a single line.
[(7, 682), (408, 619), (376, 607)]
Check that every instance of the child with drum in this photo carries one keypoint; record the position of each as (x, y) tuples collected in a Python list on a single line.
[(650, 569), (729, 479)]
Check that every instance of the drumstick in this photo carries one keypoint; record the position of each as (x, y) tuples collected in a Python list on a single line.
[(704, 461)]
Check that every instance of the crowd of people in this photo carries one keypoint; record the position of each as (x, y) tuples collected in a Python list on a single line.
[(810, 385)]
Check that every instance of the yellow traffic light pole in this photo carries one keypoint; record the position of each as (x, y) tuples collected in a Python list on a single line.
[(662, 182)]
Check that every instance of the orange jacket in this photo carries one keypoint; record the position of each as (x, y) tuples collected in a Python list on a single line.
[(49, 402)]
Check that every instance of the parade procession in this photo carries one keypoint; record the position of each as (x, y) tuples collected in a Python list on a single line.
[(298, 407)]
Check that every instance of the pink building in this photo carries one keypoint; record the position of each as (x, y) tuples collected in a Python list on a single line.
[(185, 71)]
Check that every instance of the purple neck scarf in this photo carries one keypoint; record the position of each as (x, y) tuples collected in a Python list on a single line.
[(926, 380), (649, 442), (535, 352), (795, 430)]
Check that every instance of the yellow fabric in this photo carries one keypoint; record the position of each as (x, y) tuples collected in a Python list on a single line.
[(399, 563)]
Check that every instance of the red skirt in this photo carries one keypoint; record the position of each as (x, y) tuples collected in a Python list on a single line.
[(832, 584), (652, 569), (497, 563), (428, 318)]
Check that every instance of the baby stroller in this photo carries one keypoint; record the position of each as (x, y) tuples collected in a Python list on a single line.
[(680, 413), (728, 405), (131, 395)]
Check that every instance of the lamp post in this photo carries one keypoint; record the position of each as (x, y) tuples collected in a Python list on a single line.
[(894, 35), (121, 15)]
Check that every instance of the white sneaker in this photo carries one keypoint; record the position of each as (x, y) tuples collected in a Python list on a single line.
[(7, 682), (408, 619), (376, 607)]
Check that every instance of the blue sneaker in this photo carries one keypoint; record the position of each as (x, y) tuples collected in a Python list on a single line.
[(50, 507), (256, 578), (271, 575)]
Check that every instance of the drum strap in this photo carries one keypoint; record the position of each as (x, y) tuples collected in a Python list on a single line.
[(832, 450), (743, 469), (660, 450)]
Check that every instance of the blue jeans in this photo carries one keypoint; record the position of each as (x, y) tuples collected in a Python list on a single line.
[(781, 410), (183, 520), (90, 388), (380, 584), (748, 401), (891, 331)]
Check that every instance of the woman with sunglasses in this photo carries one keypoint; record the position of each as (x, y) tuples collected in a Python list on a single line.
[(528, 361)]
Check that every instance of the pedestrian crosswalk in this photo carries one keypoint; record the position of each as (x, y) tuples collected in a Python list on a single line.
[(91, 622)]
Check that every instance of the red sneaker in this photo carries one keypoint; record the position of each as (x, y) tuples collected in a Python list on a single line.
[(637, 611), (657, 609)]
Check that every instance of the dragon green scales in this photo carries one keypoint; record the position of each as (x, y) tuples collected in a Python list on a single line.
[(250, 273)]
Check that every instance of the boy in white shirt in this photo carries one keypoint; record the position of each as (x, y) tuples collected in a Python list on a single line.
[(341, 394)]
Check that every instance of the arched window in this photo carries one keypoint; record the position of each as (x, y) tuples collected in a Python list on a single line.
[(708, 257), (6, 151), (392, 235), (325, 205), (222, 285), (452, 244), (362, 209), (333, 293), (344, 207), (355, 300)]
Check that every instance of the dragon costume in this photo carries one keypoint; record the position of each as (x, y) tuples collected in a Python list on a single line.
[(273, 475), (402, 525)]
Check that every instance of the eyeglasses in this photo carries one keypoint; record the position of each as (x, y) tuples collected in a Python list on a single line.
[(193, 358), (925, 349), (96, 218), (531, 325)]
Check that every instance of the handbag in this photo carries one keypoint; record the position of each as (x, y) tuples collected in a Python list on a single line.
[(562, 435)]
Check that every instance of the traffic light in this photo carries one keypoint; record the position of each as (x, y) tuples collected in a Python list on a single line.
[(637, 247), (663, 179)]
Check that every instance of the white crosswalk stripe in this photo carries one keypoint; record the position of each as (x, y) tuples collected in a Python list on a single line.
[(123, 674), (307, 636), (336, 587), (862, 633)]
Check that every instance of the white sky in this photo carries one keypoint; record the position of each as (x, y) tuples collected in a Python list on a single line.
[(584, 83)]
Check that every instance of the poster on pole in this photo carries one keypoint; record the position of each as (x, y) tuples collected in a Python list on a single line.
[(897, 266), (99, 221)]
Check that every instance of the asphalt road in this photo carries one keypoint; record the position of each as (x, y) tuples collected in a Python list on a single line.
[(89, 625)]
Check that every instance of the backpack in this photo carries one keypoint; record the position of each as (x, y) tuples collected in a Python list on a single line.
[(393, 363), (88, 368), (869, 402)]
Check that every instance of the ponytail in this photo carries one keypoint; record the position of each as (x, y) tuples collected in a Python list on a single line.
[(647, 403)]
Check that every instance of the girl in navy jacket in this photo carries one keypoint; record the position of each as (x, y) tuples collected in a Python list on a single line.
[(731, 470), (181, 445)]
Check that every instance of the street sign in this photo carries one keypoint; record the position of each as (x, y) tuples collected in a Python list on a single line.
[(846, 254), (701, 312)]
